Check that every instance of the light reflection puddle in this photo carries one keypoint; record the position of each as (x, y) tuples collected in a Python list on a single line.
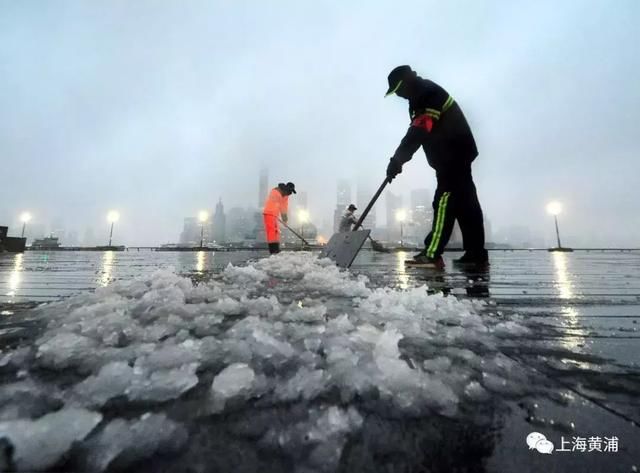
[(566, 292)]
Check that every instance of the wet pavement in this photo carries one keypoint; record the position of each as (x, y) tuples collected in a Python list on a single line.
[(583, 349)]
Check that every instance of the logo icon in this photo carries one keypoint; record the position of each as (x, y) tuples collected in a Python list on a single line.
[(537, 441)]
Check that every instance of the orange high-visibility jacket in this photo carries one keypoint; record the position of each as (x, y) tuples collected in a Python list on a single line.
[(276, 203)]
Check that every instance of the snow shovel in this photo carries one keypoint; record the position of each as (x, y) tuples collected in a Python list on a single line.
[(344, 247), (294, 232), (377, 246)]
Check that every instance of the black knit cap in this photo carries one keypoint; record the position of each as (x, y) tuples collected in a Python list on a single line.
[(397, 76), (291, 187), (352, 207)]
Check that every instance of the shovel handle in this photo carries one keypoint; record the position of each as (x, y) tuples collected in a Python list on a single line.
[(368, 209), (294, 232)]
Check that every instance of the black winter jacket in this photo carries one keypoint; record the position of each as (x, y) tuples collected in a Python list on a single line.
[(439, 126)]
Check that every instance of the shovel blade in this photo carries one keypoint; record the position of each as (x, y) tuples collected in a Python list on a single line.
[(343, 247)]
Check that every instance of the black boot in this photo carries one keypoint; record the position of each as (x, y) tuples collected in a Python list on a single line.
[(274, 248), (479, 258)]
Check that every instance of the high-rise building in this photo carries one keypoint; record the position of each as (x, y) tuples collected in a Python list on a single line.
[(363, 197), (393, 204), (343, 199), (89, 238), (301, 200), (420, 198), (219, 224), (58, 229), (421, 212), (344, 193), (190, 232), (263, 186), (72, 238), (244, 224)]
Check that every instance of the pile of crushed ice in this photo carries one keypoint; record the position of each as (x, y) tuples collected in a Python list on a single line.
[(289, 328)]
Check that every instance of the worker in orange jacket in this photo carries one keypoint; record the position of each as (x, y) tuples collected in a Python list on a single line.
[(277, 204)]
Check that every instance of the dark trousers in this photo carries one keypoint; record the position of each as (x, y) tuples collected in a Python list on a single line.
[(456, 200)]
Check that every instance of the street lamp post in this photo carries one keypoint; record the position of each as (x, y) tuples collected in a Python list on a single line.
[(202, 217), (112, 217), (555, 208), (303, 217), (555, 217), (401, 216), (24, 218)]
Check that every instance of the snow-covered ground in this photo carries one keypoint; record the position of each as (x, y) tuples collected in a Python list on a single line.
[(287, 355), (284, 329)]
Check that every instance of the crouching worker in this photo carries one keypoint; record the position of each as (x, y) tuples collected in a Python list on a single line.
[(275, 206), (348, 219)]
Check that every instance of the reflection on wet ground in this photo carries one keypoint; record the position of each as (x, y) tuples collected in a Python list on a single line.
[(581, 359)]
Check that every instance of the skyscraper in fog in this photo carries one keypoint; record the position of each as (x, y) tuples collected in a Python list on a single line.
[(301, 200), (344, 193), (219, 224), (343, 199), (190, 231), (393, 203), (241, 224), (363, 198), (420, 198), (421, 211), (263, 186)]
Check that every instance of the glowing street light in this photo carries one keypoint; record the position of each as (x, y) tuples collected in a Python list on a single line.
[(401, 216), (303, 217), (112, 217), (555, 208), (203, 216), (24, 218)]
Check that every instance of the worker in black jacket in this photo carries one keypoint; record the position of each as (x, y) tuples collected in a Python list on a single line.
[(439, 126)]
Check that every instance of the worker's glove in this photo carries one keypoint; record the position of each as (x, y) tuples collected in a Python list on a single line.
[(393, 169), (285, 219)]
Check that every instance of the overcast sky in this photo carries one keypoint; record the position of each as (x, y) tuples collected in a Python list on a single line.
[(158, 108)]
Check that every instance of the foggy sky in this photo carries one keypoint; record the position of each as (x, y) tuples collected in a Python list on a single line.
[(158, 108)]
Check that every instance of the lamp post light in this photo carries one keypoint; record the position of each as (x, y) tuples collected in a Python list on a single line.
[(24, 218), (401, 216), (303, 217), (555, 208), (112, 217), (203, 216)]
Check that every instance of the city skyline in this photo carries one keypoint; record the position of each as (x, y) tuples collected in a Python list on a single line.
[(244, 223)]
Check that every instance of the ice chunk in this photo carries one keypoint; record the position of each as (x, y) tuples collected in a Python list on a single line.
[(39, 444), (244, 275), (306, 384), (437, 365), (122, 442), (16, 358), (305, 314), (325, 431), (138, 384), (510, 328), (268, 347), (64, 350), (229, 306), (234, 380), (162, 385), (475, 391), (112, 380), (27, 399), (170, 356)]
